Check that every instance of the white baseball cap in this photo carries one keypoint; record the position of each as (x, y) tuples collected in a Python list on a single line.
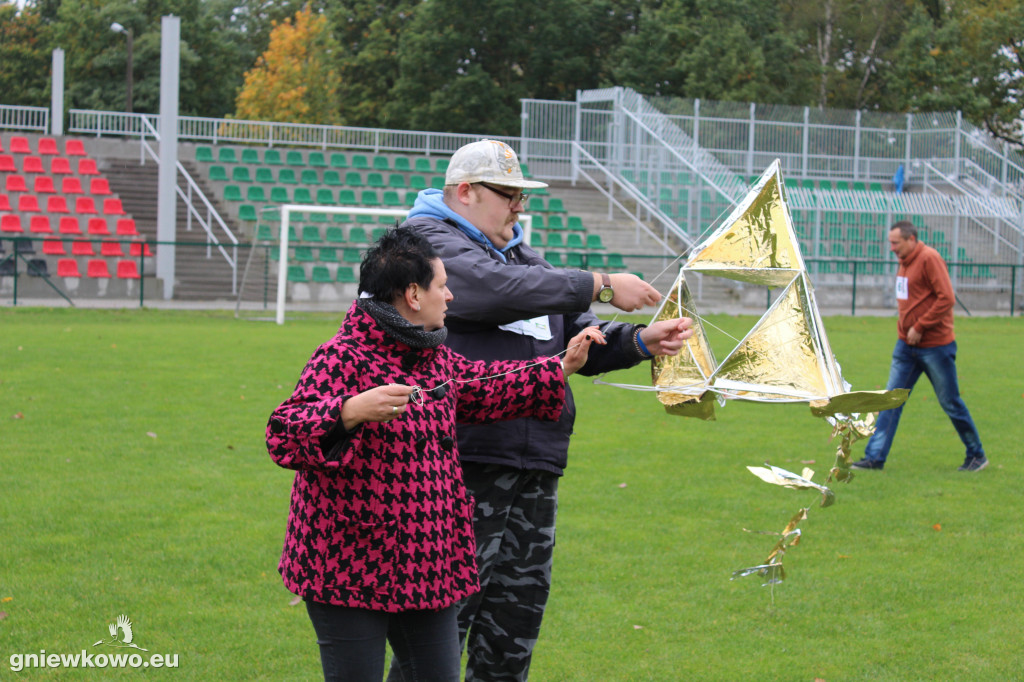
[(488, 161)]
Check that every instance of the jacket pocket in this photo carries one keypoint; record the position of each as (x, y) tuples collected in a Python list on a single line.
[(367, 554)]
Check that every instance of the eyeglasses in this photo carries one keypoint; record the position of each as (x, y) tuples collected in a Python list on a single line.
[(513, 199)]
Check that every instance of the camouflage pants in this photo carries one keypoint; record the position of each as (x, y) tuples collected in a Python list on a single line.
[(514, 524)]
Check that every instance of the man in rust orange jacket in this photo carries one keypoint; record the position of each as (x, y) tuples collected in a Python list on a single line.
[(924, 294)]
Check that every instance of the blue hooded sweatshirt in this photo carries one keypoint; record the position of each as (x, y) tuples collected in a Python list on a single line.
[(430, 203)]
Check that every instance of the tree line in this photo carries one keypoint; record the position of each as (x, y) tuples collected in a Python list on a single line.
[(463, 66)]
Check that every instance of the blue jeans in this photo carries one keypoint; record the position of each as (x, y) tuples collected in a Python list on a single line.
[(352, 643), (939, 365)]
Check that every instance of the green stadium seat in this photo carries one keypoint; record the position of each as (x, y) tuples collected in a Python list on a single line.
[(396, 180), (364, 220), (525, 167), (346, 275), (297, 274), (417, 182), (310, 177), (294, 158), (247, 212), (875, 187), (317, 160), (554, 258), (339, 161), (594, 242), (204, 154), (321, 274), (304, 254), (354, 179), (325, 197), (391, 199), (335, 235), (381, 163), (272, 157), (264, 233), (410, 198), (357, 235), (233, 193), (537, 240), (226, 155), (402, 164), (575, 241), (279, 195), (310, 233), (347, 197), (250, 156), (555, 222), (329, 255), (616, 262), (369, 197), (555, 205), (318, 217), (360, 161), (352, 256), (555, 240), (535, 205), (575, 260), (441, 166), (303, 195), (240, 174), (264, 176), (379, 232), (437, 182), (218, 173), (332, 178), (375, 180), (422, 165), (595, 260), (859, 187), (575, 223)]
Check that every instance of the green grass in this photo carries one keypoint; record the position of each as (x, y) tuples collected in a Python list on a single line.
[(134, 479)]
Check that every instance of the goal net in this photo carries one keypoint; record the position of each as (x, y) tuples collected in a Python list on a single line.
[(306, 257)]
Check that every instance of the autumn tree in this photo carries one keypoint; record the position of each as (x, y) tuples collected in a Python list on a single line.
[(295, 80)]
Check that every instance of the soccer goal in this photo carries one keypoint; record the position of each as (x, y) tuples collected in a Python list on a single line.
[(263, 236)]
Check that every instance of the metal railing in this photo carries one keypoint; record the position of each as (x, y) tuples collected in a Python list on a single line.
[(15, 117)]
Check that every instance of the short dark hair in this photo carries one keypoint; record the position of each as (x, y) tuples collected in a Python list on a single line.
[(399, 258), (906, 228)]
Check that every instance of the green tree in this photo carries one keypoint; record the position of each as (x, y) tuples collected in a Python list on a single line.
[(295, 79), (25, 56), (994, 37)]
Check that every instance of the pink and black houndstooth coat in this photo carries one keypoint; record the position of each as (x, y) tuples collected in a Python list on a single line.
[(380, 518)]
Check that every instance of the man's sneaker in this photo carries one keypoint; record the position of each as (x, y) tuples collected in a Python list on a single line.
[(867, 464), (973, 464)]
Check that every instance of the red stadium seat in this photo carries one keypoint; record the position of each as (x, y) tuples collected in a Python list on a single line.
[(68, 267), (16, 183), (69, 225), (44, 185), (126, 227), (113, 207), (7, 164), (111, 249), (57, 204), (85, 206), (82, 247), (53, 247), (5, 203), (33, 164), (99, 187), (74, 148), (11, 222), (71, 185), (48, 146), (97, 268), (28, 203), (40, 224), (20, 145), (87, 167), (127, 269), (60, 166), (137, 249), (98, 226)]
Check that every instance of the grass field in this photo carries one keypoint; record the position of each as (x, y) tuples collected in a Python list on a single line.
[(134, 479)]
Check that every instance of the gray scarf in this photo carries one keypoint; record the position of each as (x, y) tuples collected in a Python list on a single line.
[(399, 328)]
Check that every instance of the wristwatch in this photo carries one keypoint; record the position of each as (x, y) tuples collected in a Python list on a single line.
[(606, 293)]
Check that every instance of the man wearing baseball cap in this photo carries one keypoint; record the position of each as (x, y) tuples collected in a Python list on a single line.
[(509, 303)]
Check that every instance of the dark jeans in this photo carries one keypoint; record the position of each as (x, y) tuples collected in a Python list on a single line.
[(352, 643), (939, 365)]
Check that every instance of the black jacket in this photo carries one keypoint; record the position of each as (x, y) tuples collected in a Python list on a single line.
[(489, 293)]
